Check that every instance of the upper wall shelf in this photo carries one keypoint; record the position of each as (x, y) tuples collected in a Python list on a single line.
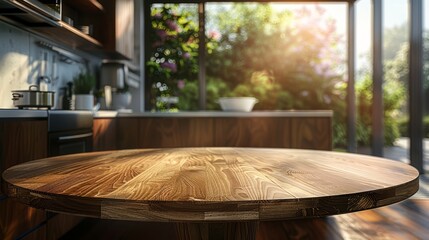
[(94, 15), (85, 5), (70, 36)]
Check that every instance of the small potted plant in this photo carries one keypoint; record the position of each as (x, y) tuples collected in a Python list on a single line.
[(83, 84)]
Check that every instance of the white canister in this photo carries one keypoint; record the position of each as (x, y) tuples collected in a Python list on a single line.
[(83, 101), (121, 100)]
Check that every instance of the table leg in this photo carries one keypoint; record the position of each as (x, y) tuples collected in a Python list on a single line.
[(211, 231)]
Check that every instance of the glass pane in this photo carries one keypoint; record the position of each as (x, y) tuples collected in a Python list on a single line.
[(363, 77), (426, 82), (172, 68), (395, 63), (288, 56), (396, 75)]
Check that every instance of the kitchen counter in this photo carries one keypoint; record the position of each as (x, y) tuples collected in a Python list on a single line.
[(273, 129), (20, 113), (23, 113), (289, 113)]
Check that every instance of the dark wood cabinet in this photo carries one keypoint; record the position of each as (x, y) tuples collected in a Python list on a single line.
[(311, 133), (128, 131), (175, 132), (21, 141), (103, 28), (104, 131), (275, 132), (118, 22), (252, 132)]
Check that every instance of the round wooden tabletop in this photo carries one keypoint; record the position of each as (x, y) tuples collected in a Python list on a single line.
[(210, 184)]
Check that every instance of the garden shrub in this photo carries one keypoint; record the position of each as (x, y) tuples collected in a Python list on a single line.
[(403, 127), (393, 97)]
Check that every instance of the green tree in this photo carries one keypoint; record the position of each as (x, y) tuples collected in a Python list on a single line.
[(393, 97), (286, 59), (298, 50), (393, 40)]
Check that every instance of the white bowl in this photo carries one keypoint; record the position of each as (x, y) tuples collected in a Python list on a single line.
[(239, 104)]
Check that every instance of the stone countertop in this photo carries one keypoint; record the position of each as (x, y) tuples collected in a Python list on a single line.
[(18, 113), (24, 113), (290, 113)]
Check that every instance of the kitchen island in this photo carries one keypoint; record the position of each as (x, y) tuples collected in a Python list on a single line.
[(310, 129), (274, 129)]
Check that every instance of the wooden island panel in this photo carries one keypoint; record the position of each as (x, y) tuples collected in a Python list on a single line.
[(268, 132), (252, 132), (176, 132), (311, 133), (128, 133), (104, 131)]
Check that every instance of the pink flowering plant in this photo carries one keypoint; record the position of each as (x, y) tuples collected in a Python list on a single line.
[(173, 61)]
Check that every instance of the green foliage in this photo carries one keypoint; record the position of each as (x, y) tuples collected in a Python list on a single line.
[(403, 126), (285, 59), (262, 86), (393, 97), (393, 39), (215, 89), (173, 55), (188, 98), (83, 83)]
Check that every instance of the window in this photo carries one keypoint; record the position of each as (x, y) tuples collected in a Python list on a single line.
[(172, 68)]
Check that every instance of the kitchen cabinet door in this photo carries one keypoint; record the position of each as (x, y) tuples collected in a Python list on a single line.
[(176, 132), (252, 132), (20, 141), (128, 133), (311, 133), (104, 131), (119, 28)]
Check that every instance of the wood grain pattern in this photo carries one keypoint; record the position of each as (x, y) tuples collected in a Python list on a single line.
[(406, 220), (278, 132), (252, 132), (210, 184), (128, 130), (20, 141), (104, 132), (225, 231), (124, 24), (176, 132), (311, 133), (119, 36)]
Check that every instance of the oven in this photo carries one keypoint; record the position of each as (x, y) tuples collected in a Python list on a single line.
[(69, 132)]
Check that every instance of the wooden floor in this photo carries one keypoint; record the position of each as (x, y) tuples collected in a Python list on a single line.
[(406, 220)]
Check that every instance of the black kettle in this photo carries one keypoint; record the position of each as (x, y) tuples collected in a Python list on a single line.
[(67, 96)]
